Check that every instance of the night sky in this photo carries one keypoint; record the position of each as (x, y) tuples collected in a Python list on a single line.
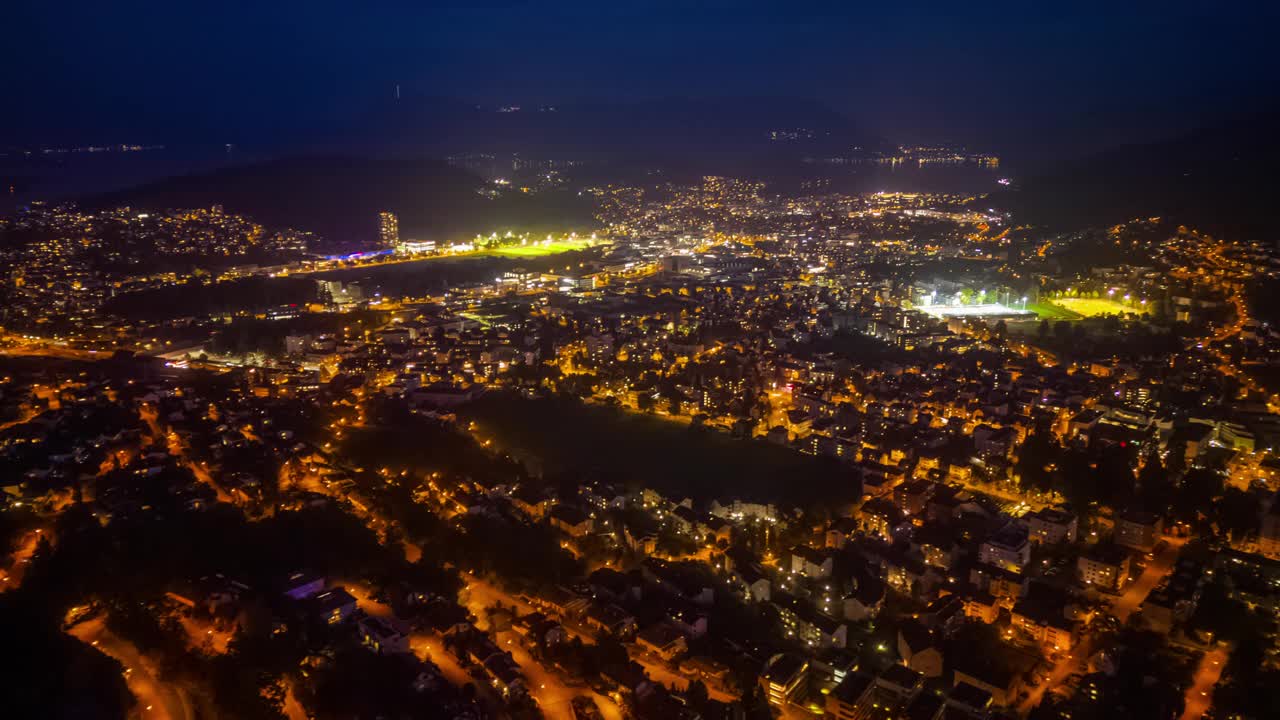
[(1065, 74)]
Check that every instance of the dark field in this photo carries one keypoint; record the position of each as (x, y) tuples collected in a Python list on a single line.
[(568, 436)]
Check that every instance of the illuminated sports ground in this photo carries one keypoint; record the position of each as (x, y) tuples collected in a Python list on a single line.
[(1093, 307), (1049, 311), (977, 310), (539, 249), (1057, 309)]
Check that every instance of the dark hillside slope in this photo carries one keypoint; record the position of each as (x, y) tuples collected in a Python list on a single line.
[(340, 197)]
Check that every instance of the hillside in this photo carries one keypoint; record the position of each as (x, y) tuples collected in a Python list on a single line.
[(1214, 179), (340, 197)]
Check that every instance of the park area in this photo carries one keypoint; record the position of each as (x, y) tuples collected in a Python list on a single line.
[(568, 436)]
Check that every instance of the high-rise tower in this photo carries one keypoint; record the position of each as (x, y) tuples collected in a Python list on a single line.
[(388, 229)]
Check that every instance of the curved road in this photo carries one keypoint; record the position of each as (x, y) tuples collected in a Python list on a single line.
[(157, 700)]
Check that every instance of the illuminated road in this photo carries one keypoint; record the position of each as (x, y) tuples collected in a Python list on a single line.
[(293, 709), (1122, 607), (203, 636), (662, 674), (547, 687), (1229, 279), (156, 700), (26, 417), (429, 647), (1200, 694), (1062, 669), (482, 594), (1028, 350), (18, 562), (26, 348), (1027, 501), (551, 692), (1156, 571), (177, 447)]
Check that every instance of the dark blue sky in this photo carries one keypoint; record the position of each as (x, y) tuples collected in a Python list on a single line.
[(985, 72)]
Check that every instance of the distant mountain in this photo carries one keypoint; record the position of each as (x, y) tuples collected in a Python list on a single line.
[(1220, 179), (340, 197), (343, 176), (674, 132)]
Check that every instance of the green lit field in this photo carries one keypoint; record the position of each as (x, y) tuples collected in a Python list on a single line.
[(1049, 311), (1093, 307), (539, 249)]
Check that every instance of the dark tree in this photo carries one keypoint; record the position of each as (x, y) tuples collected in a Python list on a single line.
[(1238, 513), (697, 695), (1195, 494)]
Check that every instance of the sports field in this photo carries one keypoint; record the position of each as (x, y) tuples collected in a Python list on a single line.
[(539, 249), (1049, 311), (1093, 307), (983, 310)]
